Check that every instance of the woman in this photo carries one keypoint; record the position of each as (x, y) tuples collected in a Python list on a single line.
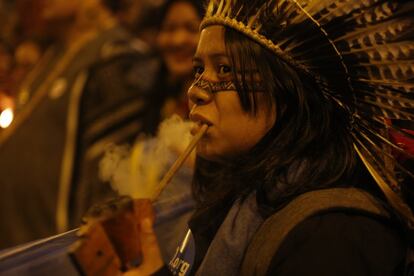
[(295, 97), (176, 42)]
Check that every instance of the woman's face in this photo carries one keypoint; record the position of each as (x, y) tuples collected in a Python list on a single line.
[(232, 131), (178, 38)]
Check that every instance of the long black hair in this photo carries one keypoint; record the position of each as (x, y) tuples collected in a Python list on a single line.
[(309, 147)]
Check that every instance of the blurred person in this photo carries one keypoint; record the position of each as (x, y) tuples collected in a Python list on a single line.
[(140, 17), (174, 25), (90, 88), (131, 13), (176, 41), (177, 24), (177, 37), (128, 12)]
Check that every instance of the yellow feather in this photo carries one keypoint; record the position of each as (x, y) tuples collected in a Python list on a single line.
[(220, 8), (210, 8)]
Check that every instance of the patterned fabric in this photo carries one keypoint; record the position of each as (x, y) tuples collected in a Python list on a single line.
[(224, 86)]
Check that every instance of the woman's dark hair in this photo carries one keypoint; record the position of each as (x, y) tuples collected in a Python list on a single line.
[(309, 147), (197, 4)]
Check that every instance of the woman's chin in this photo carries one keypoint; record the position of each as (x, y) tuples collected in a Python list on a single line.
[(209, 156), (203, 151)]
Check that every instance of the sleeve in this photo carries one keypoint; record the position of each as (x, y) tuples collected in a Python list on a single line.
[(340, 244), (114, 110), (120, 89)]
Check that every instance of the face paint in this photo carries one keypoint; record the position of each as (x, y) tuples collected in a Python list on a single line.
[(214, 87), (224, 86)]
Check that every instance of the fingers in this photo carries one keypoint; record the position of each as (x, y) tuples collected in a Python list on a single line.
[(151, 254)]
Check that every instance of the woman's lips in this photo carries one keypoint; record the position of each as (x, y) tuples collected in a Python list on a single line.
[(198, 120), (196, 128)]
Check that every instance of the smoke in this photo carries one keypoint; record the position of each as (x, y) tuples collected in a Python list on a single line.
[(137, 170)]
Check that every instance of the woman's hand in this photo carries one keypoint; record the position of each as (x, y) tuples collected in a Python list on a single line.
[(151, 254), (115, 235)]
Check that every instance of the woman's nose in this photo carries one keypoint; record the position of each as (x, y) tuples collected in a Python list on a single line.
[(199, 95)]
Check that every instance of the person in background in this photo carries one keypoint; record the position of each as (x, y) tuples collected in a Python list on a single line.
[(172, 28), (90, 88), (176, 41)]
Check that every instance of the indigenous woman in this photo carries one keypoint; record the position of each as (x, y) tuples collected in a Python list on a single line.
[(295, 174)]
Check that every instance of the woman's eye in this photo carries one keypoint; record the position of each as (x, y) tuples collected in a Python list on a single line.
[(224, 69), (197, 70)]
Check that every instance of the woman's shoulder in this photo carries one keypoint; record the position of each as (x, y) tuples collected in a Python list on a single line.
[(341, 243)]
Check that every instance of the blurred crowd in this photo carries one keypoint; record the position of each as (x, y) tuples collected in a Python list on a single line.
[(76, 76), (26, 35)]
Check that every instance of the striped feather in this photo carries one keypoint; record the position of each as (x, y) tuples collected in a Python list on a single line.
[(341, 9), (395, 71), (393, 51), (373, 35), (376, 14), (388, 98)]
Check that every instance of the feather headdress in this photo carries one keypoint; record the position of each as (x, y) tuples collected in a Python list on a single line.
[(361, 53)]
